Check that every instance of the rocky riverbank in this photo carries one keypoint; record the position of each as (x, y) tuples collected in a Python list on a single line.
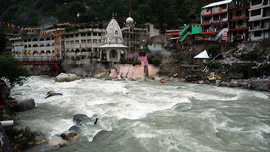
[(17, 137)]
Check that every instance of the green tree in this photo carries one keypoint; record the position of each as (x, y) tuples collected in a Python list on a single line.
[(10, 68), (3, 40)]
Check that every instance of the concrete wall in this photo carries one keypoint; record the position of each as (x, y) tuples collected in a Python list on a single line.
[(130, 71)]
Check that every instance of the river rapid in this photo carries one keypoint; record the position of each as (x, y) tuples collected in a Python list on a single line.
[(148, 116)]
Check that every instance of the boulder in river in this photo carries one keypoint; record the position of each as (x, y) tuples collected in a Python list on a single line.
[(52, 93), (259, 86), (80, 119), (64, 77), (99, 134), (24, 105)]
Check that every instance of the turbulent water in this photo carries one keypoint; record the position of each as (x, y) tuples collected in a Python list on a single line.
[(149, 116)]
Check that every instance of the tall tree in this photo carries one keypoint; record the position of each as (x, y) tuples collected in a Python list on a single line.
[(3, 40)]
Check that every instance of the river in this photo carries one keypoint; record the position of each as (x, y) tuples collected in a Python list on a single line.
[(149, 116)]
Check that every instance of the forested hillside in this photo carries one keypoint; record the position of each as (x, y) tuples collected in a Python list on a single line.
[(160, 12)]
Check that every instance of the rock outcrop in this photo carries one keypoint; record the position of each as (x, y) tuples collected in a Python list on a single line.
[(24, 105), (259, 86)]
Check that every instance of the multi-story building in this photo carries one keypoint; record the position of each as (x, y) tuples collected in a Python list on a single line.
[(259, 19), (82, 46), (132, 37), (238, 21), (214, 20), (34, 48)]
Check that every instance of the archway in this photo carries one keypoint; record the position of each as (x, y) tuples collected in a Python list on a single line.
[(113, 54)]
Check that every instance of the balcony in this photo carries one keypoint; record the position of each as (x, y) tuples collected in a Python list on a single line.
[(260, 28), (205, 12), (208, 31), (218, 9), (239, 28), (235, 18), (43, 59)]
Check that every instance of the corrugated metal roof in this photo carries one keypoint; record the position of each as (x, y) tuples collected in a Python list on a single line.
[(218, 3)]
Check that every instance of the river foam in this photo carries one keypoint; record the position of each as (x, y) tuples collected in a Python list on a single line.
[(149, 116)]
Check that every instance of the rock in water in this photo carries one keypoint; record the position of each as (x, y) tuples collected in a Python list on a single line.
[(99, 134), (24, 105), (63, 77), (52, 93), (259, 85), (80, 119), (75, 129)]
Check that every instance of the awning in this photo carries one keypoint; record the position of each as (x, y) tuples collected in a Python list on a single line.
[(202, 55)]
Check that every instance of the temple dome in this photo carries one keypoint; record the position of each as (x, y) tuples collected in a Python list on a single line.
[(113, 33), (129, 20)]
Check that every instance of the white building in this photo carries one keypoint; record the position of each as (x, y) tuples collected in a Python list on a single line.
[(113, 49), (34, 48), (215, 20), (259, 13), (82, 46)]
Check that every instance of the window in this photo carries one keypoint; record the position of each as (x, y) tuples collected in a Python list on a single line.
[(83, 41), (256, 12), (48, 39), (142, 54), (240, 22), (116, 32), (88, 41), (25, 40), (257, 34), (95, 34), (238, 13), (99, 41), (67, 36), (83, 34), (113, 54), (95, 41), (256, 2), (88, 34), (77, 35), (41, 39), (99, 34), (35, 39), (71, 42), (72, 35), (76, 41)]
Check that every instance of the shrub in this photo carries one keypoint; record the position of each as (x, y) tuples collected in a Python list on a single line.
[(214, 50), (213, 65), (11, 69), (154, 61)]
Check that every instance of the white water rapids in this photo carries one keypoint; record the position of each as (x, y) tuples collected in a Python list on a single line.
[(149, 116)]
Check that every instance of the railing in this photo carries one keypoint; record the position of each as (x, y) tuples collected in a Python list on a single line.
[(32, 59)]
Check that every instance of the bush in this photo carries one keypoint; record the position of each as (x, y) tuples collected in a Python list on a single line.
[(213, 65), (11, 69), (154, 61), (214, 50), (255, 55), (125, 61), (266, 69)]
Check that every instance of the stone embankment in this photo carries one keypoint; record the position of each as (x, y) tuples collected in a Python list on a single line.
[(17, 138)]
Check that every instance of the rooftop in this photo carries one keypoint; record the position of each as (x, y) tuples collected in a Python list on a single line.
[(218, 3)]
